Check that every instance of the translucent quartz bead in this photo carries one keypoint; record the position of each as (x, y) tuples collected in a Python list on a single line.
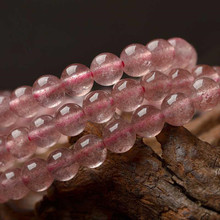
[(70, 119), (19, 145), (48, 91), (217, 69), (128, 94), (89, 151), (137, 60), (206, 71), (43, 132), (7, 117), (162, 54), (23, 103), (185, 54), (147, 121), (13, 185), (178, 109), (77, 79), (206, 95), (107, 69), (6, 159), (3, 197), (35, 175), (98, 106), (157, 85), (181, 81), (61, 165), (119, 136)]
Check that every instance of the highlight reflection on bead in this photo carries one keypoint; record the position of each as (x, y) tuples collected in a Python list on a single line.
[(206, 71)]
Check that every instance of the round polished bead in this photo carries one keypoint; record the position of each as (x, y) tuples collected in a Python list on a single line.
[(185, 54), (119, 136), (48, 91), (107, 69), (137, 60), (13, 185), (89, 151), (70, 119), (7, 117), (206, 71), (178, 109), (156, 84), (35, 175), (18, 143), (98, 106), (61, 165), (147, 121), (6, 159), (128, 94), (43, 132), (206, 95), (217, 69), (23, 103), (77, 79), (181, 81), (162, 54)]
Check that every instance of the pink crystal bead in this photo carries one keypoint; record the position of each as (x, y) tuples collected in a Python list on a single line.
[(77, 79), (13, 185), (178, 109), (7, 117), (23, 103), (3, 197), (48, 91), (127, 94), (36, 176), (118, 136), (19, 145), (43, 132), (206, 95), (181, 81), (162, 54), (206, 71), (147, 121), (70, 119), (185, 53), (89, 151), (98, 106), (137, 60), (107, 69), (157, 85), (61, 165)]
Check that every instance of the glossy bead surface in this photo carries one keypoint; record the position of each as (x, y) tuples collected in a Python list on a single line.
[(89, 151), (185, 53), (7, 117), (77, 79), (147, 121), (35, 175), (162, 54), (43, 132), (98, 106), (181, 81), (70, 119), (178, 109), (23, 103), (206, 95), (61, 165), (18, 143), (206, 71), (118, 136), (48, 91), (13, 185), (107, 69), (6, 159), (157, 85), (137, 60), (128, 94)]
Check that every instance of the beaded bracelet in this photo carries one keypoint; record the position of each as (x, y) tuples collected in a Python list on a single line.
[(164, 68)]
